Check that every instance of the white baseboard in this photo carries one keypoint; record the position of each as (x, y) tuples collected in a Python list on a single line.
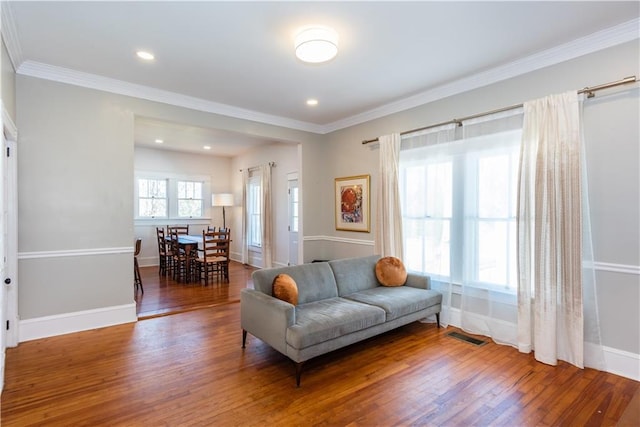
[(60, 324), (618, 362), (622, 363)]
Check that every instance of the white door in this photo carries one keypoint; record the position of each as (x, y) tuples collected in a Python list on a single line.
[(294, 206), (8, 240)]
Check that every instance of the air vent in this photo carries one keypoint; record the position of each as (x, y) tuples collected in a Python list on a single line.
[(466, 338)]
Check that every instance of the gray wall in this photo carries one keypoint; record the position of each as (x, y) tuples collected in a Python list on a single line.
[(75, 175), (612, 139), (75, 189)]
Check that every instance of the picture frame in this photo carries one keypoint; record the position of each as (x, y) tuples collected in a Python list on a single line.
[(353, 203)]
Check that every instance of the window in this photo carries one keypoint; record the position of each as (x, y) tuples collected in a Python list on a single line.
[(152, 198), (254, 196), (459, 210), (168, 196), (190, 201), (293, 209)]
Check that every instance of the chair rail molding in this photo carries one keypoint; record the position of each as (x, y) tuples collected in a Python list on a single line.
[(76, 252), (617, 268), (339, 240)]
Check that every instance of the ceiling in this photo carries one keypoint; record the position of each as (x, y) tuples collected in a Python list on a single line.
[(237, 58)]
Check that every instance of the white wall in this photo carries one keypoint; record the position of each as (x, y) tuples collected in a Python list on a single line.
[(8, 89), (172, 163), (286, 159)]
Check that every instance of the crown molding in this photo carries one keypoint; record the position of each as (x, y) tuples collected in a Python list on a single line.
[(106, 84), (10, 35), (609, 37)]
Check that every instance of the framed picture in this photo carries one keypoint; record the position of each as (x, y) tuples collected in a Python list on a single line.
[(352, 203)]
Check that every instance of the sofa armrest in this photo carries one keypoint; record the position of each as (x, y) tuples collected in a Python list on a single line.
[(418, 281), (266, 317)]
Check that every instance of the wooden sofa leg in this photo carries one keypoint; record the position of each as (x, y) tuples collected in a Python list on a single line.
[(298, 372), (438, 320), (244, 338)]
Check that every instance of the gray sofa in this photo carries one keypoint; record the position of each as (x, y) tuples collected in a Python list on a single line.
[(339, 303)]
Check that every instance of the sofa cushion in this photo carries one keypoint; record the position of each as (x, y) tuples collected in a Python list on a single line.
[(355, 274), (398, 301), (315, 281), (319, 321), (390, 271), (285, 288)]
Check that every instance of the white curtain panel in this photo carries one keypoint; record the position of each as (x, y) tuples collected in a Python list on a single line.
[(266, 217), (245, 217), (550, 294), (488, 289), (388, 235), (425, 227)]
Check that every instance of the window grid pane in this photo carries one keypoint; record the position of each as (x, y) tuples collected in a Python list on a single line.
[(459, 215), (152, 198), (190, 203), (255, 227)]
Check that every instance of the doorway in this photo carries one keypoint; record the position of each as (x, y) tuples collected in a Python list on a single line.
[(294, 220)]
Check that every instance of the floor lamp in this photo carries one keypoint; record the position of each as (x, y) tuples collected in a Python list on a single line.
[(222, 199)]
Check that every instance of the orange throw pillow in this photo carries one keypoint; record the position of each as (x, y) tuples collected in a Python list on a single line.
[(285, 288), (390, 271)]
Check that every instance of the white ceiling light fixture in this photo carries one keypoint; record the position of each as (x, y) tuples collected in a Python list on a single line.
[(147, 56), (312, 102), (316, 44)]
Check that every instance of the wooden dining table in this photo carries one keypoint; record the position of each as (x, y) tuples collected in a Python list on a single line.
[(188, 243)]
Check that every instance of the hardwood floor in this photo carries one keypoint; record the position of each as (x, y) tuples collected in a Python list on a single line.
[(163, 295), (189, 369)]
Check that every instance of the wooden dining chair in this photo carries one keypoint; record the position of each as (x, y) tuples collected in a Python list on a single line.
[(213, 259), (137, 280), (178, 257), (164, 252), (180, 229)]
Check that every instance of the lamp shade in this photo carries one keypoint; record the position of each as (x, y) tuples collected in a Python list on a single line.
[(317, 44), (222, 199)]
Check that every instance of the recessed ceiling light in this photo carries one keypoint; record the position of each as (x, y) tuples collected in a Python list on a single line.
[(312, 102), (147, 56), (316, 44), (159, 141), (206, 147)]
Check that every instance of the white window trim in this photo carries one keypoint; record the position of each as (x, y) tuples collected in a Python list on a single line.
[(172, 198)]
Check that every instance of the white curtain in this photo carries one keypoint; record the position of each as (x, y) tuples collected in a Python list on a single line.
[(491, 146), (459, 202), (425, 182), (550, 291), (245, 217), (388, 235), (498, 217), (266, 216)]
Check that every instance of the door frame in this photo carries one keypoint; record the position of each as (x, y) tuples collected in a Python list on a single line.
[(10, 136)]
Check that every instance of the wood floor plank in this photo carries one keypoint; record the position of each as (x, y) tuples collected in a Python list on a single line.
[(189, 369)]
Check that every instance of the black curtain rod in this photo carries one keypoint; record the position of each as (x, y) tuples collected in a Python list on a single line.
[(588, 90)]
